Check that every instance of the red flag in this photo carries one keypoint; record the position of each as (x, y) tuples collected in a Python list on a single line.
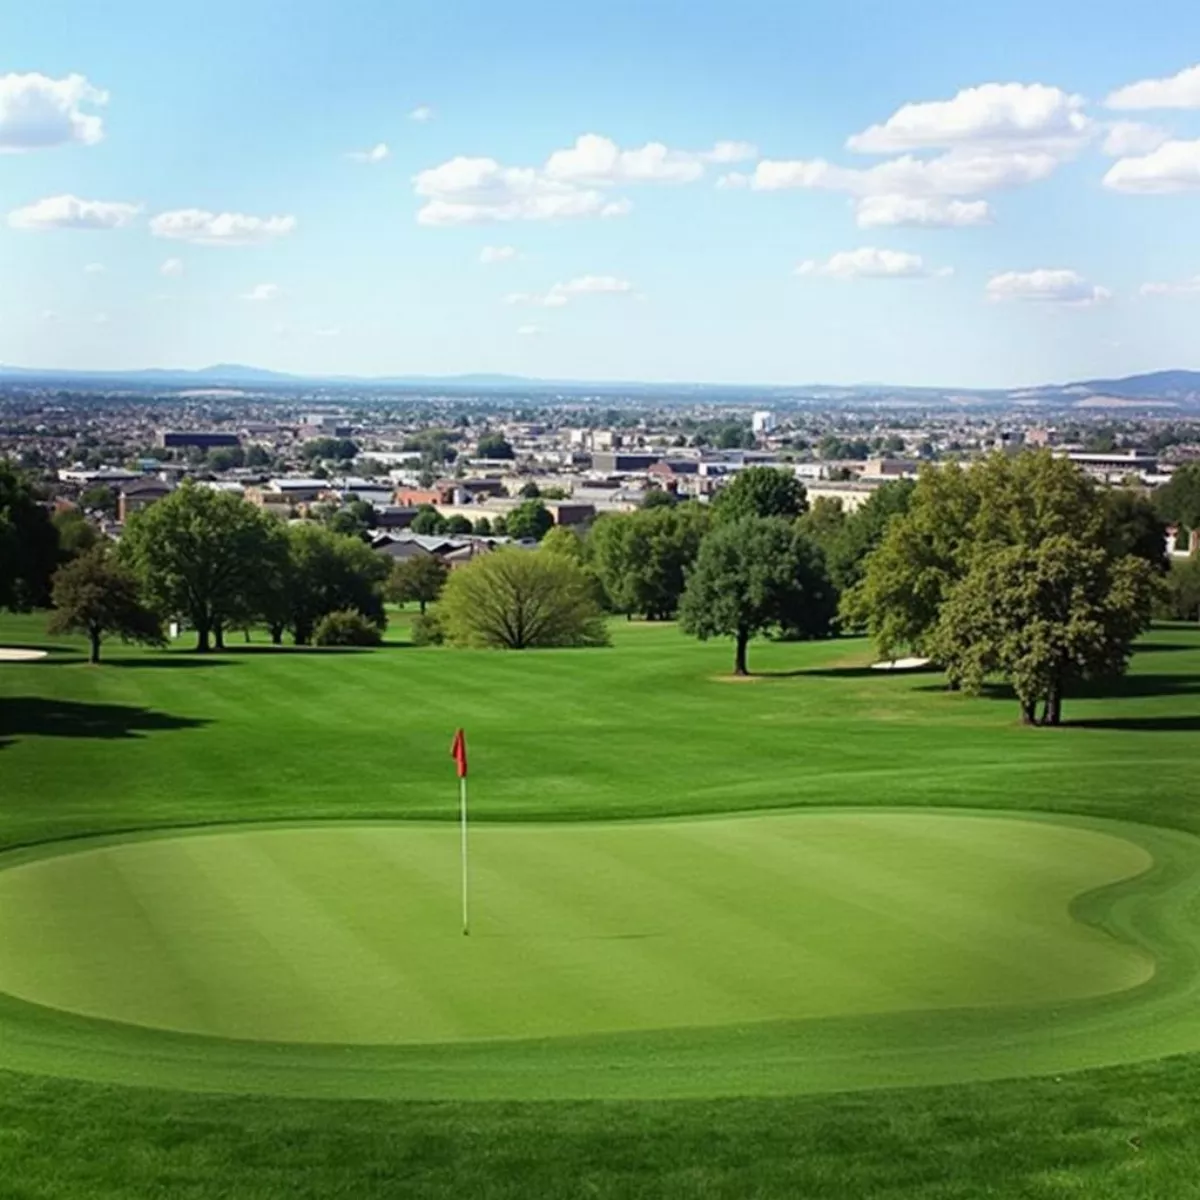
[(458, 752)]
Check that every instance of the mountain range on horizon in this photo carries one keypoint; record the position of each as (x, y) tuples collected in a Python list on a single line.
[(1176, 387)]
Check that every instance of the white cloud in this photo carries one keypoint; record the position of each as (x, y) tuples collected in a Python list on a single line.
[(421, 114), (1185, 287), (999, 115), (1133, 137), (262, 292), (172, 268), (529, 330), (95, 269), (1176, 91), (219, 229), (100, 319), (376, 154), (1173, 167), (957, 173), (571, 183), (497, 254), (868, 262), (329, 331), (923, 212), (70, 212), (561, 293), (37, 112), (1044, 286)]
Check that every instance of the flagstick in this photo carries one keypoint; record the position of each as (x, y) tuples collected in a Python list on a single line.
[(462, 805)]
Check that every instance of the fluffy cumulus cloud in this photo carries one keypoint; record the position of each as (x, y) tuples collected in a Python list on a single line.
[(376, 154), (920, 212), (561, 294), (70, 212), (1013, 115), (172, 268), (1176, 91), (1172, 167), (219, 229), (421, 114), (1057, 286), (262, 292), (94, 269), (868, 262), (490, 255), (1132, 137), (529, 330), (1184, 287), (573, 182), (37, 112)]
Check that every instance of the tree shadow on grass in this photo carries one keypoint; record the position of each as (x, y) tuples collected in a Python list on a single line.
[(865, 672), (1128, 687), (173, 662), (36, 716), (1166, 647), (251, 650), (1180, 724)]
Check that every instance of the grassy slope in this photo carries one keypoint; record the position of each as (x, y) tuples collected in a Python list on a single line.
[(647, 728)]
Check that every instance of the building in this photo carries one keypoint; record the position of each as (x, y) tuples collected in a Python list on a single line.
[(623, 462), (762, 423), (133, 497), (182, 439)]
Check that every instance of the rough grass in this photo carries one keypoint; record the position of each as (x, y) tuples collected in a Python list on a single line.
[(643, 729)]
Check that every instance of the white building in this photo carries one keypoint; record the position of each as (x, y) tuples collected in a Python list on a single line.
[(763, 422)]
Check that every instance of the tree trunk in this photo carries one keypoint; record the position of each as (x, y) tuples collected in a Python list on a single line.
[(739, 658), (1028, 712), (276, 635), (422, 604), (219, 635), (202, 642), (1054, 706), (94, 639)]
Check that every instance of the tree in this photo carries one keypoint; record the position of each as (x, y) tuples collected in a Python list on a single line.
[(99, 498), (1133, 526), (529, 520), (331, 572), (76, 534), (482, 527), (420, 578), (428, 521), (761, 492), (199, 554), (862, 531), (521, 599), (1043, 617), (1178, 500), (657, 497), (458, 525), (752, 576), (95, 595), (28, 543), (342, 449), (564, 540), (493, 445), (641, 558), (1183, 589), (530, 491), (346, 628)]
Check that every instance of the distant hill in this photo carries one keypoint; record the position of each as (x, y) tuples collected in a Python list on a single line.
[(1173, 385)]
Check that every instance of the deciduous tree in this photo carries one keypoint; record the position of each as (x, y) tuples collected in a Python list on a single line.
[(761, 492), (420, 578), (28, 543)]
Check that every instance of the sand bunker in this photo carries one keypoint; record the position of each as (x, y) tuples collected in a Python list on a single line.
[(21, 655)]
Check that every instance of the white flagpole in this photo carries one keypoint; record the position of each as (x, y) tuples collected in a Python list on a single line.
[(462, 807)]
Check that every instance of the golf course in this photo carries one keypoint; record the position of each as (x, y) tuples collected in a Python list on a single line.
[(745, 936)]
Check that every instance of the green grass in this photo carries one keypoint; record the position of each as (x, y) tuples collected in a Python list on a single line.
[(651, 728)]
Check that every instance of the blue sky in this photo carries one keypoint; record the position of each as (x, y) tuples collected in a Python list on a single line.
[(937, 193)]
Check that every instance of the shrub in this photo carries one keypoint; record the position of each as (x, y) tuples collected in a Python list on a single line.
[(427, 629), (346, 628)]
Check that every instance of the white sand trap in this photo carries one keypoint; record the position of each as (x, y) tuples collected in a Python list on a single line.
[(901, 664), (21, 655)]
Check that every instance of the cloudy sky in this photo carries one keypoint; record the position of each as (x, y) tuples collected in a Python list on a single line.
[(838, 191)]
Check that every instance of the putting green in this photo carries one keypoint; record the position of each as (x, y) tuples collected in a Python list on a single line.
[(349, 934)]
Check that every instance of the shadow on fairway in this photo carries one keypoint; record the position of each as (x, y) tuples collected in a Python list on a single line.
[(252, 649), (1129, 687), (34, 716), (1184, 724), (867, 672), (172, 662)]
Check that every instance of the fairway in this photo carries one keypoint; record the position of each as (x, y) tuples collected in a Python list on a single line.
[(350, 934)]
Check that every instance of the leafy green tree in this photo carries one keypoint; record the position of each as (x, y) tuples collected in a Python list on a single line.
[(641, 558), (458, 525), (1178, 500), (761, 492), (1182, 598), (530, 491), (1044, 616), (96, 596), (76, 534), (331, 572), (657, 498), (199, 554), (353, 518), (340, 449), (428, 521), (420, 578), (564, 540), (29, 550), (530, 519), (482, 527), (346, 628), (493, 445), (99, 498), (752, 576), (862, 531), (517, 599), (1133, 526)]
